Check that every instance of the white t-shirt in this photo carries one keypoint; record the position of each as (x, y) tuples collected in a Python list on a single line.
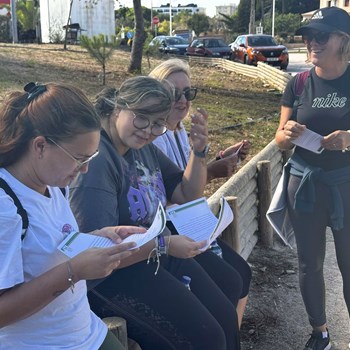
[(176, 150), (67, 322)]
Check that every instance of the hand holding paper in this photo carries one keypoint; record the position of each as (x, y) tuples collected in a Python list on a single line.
[(196, 220), (76, 242), (309, 140)]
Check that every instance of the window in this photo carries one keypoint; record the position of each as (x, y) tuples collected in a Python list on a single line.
[(346, 3)]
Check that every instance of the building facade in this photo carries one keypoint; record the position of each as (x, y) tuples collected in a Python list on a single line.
[(93, 17), (227, 10), (191, 9)]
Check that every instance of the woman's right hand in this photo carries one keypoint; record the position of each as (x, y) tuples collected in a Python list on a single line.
[(184, 247), (292, 130), (97, 263)]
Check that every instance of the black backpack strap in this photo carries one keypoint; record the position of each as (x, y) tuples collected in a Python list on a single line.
[(20, 210)]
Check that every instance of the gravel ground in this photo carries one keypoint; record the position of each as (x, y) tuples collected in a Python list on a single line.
[(275, 318)]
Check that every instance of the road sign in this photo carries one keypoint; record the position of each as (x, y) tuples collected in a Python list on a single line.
[(155, 20)]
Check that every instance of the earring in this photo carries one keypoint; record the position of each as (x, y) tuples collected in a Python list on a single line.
[(40, 156)]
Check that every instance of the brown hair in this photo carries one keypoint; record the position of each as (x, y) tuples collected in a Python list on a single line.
[(54, 110), (133, 94)]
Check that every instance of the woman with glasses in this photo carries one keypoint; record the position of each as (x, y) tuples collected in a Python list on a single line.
[(48, 135), (317, 183), (175, 144), (124, 186)]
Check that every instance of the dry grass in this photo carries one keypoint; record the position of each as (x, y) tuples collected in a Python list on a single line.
[(231, 99)]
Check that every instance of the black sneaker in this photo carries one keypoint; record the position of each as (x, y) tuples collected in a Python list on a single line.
[(317, 342)]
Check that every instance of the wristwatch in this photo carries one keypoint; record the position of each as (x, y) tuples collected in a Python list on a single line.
[(201, 154)]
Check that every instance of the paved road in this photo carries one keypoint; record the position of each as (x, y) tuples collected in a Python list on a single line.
[(297, 63)]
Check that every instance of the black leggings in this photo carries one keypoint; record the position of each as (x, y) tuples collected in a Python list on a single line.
[(310, 229), (163, 314)]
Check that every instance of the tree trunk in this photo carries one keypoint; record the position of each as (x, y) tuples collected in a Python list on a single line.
[(67, 25), (138, 40)]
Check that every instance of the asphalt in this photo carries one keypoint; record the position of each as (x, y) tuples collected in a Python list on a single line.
[(275, 318)]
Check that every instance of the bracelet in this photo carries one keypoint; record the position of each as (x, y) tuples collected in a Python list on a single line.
[(162, 249), (70, 277)]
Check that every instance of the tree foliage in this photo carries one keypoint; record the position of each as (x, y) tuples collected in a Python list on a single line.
[(199, 23), (100, 49), (27, 14), (285, 24)]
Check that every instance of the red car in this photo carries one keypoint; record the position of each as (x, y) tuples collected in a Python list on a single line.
[(252, 48)]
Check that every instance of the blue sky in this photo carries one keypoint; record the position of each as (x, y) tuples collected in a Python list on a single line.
[(208, 4)]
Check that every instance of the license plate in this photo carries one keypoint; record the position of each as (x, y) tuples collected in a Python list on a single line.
[(272, 59), (226, 56)]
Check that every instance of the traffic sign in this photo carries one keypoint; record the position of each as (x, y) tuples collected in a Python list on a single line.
[(155, 20)]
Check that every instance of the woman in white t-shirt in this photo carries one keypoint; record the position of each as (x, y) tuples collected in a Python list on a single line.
[(49, 133)]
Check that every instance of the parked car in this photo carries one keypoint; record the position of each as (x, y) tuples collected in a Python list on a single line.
[(252, 48), (210, 47), (170, 44)]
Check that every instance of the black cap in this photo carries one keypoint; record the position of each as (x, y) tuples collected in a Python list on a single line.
[(328, 19)]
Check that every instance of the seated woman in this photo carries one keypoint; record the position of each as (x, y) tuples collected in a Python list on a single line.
[(124, 186), (48, 134), (175, 144)]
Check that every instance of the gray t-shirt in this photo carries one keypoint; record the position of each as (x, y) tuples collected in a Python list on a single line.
[(123, 190), (324, 106)]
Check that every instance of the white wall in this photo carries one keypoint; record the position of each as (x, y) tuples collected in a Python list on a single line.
[(94, 19)]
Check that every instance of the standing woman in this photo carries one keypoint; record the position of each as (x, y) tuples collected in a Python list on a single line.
[(319, 184), (124, 186), (48, 134), (175, 144)]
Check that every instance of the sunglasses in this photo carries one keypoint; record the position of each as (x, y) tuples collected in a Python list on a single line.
[(80, 163), (189, 93), (320, 37)]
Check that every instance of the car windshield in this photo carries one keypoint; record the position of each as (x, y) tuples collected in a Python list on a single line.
[(214, 43), (261, 41), (176, 40)]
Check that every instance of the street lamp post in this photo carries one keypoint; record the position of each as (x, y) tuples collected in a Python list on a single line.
[(170, 19), (273, 18)]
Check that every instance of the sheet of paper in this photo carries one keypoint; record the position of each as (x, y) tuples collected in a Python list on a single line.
[(196, 220), (309, 140), (77, 242)]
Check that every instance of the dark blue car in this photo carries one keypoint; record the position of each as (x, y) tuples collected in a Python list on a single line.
[(170, 44)]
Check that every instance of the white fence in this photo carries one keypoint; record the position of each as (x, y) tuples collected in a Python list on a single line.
[(269, 74)]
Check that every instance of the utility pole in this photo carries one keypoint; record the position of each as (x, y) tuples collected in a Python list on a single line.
[(14, 22), (252, 17), (170, 20)]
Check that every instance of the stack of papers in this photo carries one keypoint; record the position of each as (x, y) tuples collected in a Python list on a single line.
[(77, 242), (195, 220)]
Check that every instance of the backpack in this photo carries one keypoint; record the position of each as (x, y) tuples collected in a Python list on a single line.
[(299, 84), (20, 210)]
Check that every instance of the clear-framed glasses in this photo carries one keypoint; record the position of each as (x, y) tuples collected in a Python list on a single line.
[(189, 93), (157, 128), (80, 163), (320, 37)]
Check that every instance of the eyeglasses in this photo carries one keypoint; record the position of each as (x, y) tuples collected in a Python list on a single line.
[(80, 163), (157, 128), (189, 93), (320, 37)]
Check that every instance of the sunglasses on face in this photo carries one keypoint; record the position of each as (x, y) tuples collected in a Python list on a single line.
[(157, 128), (320, 37), (189, 93)]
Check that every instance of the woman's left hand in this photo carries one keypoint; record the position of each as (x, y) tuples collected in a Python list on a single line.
[(118, 233), (336, 141), (199, 129)]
